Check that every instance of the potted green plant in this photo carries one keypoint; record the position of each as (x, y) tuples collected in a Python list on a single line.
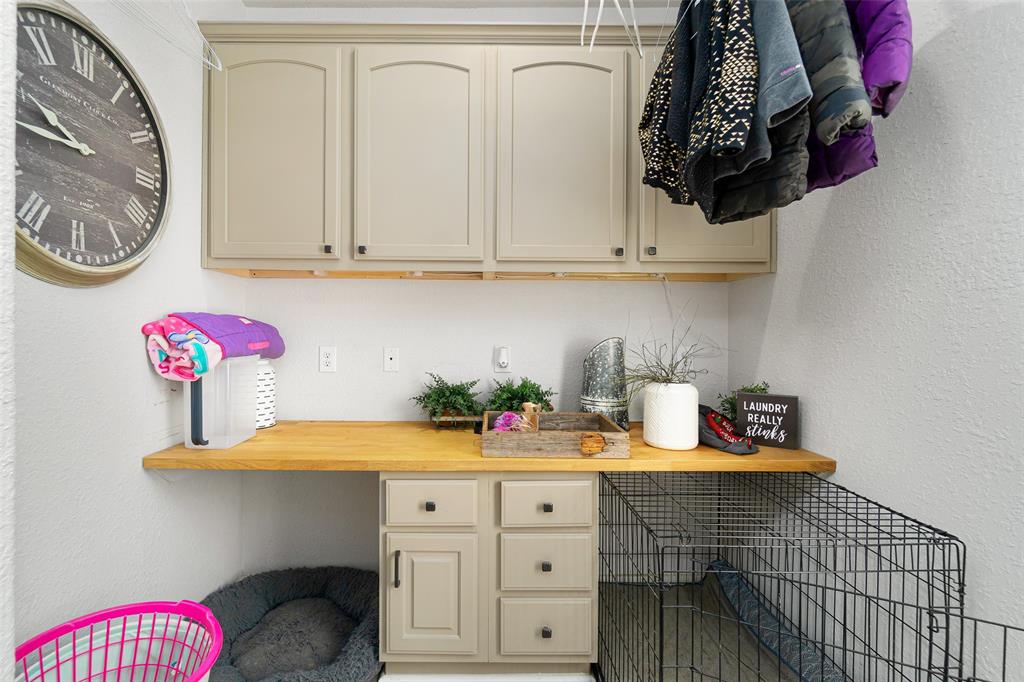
[(449, 403), (664, 371), (727, 403), (509, 396)]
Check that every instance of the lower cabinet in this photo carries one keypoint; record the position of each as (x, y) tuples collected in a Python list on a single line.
[(513, 583), (430, 604)]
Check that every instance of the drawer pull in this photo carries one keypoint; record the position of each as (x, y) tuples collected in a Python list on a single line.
[(546, 633), (548, 507), (398, 564), (430, 506), (545, 566)]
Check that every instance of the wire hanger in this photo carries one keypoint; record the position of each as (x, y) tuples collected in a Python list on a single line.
[(161, 23), (679, 20), (634, 37)]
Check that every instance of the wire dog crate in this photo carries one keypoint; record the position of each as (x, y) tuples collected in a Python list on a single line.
[(737, 577)]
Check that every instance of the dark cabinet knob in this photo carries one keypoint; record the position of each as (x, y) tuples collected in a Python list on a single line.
[(430, 506), (328, 248), (546, 633), (548, 507), (545, 566), (620, 251), (652, 250), (361, 250)]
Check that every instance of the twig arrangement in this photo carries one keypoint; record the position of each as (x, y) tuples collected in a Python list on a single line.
[(668, 362)]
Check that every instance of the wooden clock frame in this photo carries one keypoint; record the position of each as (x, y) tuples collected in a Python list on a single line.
[(33, 259)]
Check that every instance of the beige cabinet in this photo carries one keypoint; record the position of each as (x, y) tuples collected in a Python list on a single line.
[(496, 568), (677, 233), (562, 150), (464, 152), (419, 152), (273, 152), (431, 593)]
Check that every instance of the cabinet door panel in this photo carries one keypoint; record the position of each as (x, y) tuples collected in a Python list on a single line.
[(433, 607), (561, 153), (419, 153), (273, 152), (680, 233), (677, 233)]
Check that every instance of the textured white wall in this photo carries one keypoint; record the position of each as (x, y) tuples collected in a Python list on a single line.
[(898, 294), (444, 327), (448, 327), (95, 529), (451, 328), (7, 51), (898, 306), (99, 531)]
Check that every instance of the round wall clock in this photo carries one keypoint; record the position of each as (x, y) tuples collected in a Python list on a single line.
[(91, 168)]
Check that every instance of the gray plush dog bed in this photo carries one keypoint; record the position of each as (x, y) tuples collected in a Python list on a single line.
[(298, 625)]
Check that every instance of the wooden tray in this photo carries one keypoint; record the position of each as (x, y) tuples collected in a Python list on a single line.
[(561, 434)]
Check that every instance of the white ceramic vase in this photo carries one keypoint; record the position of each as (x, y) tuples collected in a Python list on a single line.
[(670, 416)]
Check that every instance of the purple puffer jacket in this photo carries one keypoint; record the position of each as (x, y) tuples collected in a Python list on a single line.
[(882, 31)]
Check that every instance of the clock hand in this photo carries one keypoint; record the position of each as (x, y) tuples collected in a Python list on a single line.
[(84, 149), (52, 119)]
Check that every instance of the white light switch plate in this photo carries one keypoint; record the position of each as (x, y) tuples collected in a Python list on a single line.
[(390, 359)]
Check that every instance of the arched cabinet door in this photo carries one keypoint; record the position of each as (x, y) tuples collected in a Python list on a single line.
[(562, 153), (679, 233), (419, 161), (273, 152)]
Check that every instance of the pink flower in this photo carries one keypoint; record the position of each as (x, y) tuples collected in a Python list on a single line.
[(506, 421)]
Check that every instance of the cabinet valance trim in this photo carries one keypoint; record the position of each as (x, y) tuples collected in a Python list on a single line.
[(489, 34)]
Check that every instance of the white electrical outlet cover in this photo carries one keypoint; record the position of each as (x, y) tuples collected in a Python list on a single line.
[(327, 358)]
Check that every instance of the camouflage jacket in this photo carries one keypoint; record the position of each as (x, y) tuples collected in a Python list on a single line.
[(839, 102)]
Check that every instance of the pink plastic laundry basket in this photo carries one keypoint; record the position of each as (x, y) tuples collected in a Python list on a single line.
[(149, 642)]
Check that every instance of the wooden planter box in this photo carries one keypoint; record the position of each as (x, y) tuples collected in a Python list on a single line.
[(458, 421), (561, 434)]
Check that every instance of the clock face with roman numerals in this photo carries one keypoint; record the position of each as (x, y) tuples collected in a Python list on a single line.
[(91, 173)]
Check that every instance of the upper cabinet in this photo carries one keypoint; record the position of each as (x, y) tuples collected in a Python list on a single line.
[(562, 154), (273, 152), (444, 151), (674, 232), (678, 233), (419, 161)]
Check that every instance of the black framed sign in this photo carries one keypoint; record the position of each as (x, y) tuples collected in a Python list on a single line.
[(768, 419)]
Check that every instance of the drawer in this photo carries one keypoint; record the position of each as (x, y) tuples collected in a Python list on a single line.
[(546, 626), (547, 503), (555, 561), (430, 503)]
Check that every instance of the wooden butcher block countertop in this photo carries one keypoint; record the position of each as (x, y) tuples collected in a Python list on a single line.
[(418, 446)]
